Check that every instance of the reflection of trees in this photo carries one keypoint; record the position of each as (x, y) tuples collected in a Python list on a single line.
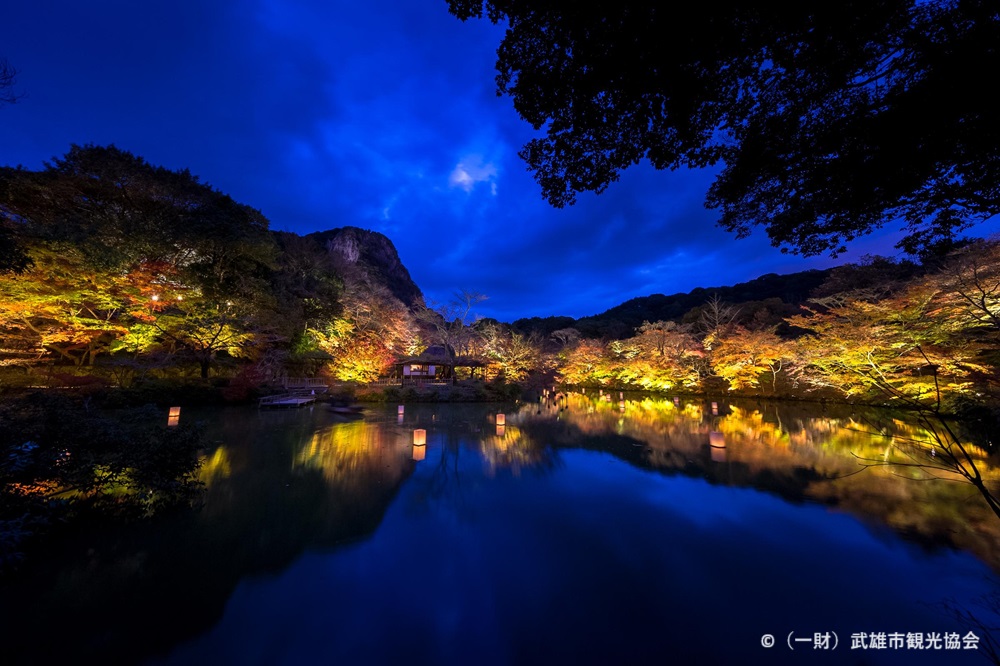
[(504, 449), (278, 484), (937, 452), (511, 449), (355, 454), (790, 451)]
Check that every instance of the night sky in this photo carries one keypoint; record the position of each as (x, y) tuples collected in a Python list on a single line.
[(377, 114)]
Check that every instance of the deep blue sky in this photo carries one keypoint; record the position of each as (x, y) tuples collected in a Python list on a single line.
[(378, 114)]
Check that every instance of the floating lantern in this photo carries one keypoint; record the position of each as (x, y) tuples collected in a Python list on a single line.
[(677, 402), (400, 410), (501, 419), (419, 437), (600, 391), (174, 416), (501, 430), (621, 405), (715, 409), (621, 395), (419, 452)]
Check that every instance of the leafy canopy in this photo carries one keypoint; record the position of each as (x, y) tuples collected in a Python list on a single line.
[(829, 119)]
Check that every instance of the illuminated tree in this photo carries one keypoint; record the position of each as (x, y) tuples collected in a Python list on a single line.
[(716, 318), (895, 347), (364, 359), (204, 328), (374, 312), (511, 355), (586, 363), (62, 306), (745, 358), (449, 324), (970, 282), (565, 336)]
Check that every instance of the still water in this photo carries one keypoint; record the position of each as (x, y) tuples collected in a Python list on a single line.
[(584, 531)]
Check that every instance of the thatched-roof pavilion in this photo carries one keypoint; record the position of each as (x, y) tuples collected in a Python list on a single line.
[(436, 364)]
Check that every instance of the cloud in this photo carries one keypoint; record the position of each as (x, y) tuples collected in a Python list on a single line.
[(473, 169), (326, 114)]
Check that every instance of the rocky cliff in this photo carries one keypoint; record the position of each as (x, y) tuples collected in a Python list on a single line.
[(363, 254)]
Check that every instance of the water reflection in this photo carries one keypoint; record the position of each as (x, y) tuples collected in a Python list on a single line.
[(789, 450), (356, 454), (528, 500)]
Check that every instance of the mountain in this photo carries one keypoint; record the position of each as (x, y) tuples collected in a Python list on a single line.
[(363, 254), (621, 321)]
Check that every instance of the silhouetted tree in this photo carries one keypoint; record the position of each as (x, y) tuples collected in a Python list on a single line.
[(830, 119), (8, 78)]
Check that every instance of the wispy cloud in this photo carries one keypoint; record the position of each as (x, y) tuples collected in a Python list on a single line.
[(473, 169)]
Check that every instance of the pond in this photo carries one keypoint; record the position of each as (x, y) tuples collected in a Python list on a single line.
[(586, 530)]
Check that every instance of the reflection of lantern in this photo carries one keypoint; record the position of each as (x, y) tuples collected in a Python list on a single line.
[(501, 419), (715, 409), (419, 452), (501, 429), (718, 454), (621, 405), (717, 445), (419, 437), (174, 416)]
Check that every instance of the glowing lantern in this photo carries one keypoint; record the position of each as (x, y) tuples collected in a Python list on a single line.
[(501, 429), (174, 416), (400, 410), (419, 452), (621, 395), (715, 409), (621, 405), (419, 437), (501, 419), (677, 402)]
